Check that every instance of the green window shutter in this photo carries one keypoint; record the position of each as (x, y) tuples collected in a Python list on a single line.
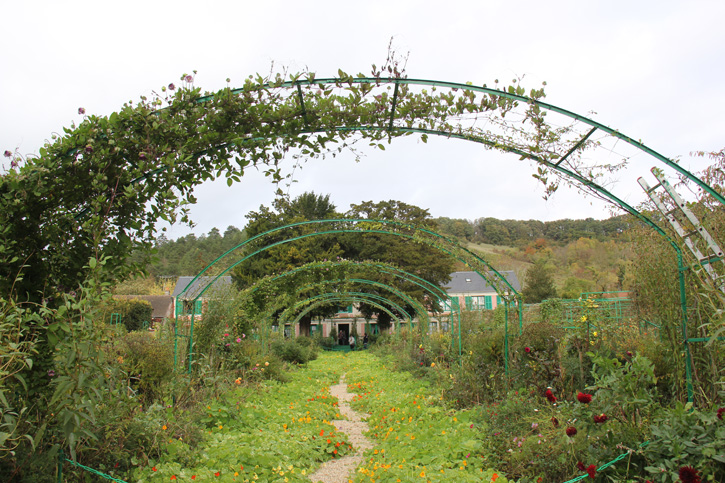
[(498, 300), (469, 303), (489, 302), (197, 307)]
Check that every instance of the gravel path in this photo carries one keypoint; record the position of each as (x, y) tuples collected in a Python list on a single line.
[(340, 470)]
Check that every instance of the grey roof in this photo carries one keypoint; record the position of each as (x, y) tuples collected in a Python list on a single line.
[(222, 283), (473, 283)]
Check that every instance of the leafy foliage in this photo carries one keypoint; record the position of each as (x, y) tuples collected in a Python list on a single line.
[(538, 284)]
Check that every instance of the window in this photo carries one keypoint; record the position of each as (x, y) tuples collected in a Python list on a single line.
[(477, 302), (184, 307), (488, 303), (346, 310), (446, 305)]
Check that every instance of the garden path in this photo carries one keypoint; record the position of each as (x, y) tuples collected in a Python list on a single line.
[(340, 470)]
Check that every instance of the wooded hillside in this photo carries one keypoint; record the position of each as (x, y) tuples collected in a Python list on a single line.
[(581, 255)]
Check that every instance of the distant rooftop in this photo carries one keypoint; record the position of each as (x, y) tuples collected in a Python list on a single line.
[(221, 284), (473, 283)]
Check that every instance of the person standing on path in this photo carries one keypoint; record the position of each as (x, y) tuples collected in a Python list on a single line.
[(352, 343)]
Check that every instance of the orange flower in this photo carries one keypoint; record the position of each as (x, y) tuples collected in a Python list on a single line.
[(494, 477)]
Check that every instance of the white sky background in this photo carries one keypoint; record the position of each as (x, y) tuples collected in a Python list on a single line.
[(651, 69)]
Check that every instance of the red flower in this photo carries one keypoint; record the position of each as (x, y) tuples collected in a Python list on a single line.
[(584, 398), (688, 474), (550, 396), (581, 466), (173, 477), (592, 470), (527, 349), (601, 418), (720, 413), (570, 431), (216, 474), (153, 469)]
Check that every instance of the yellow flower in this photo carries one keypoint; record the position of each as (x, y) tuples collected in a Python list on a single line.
[(584, 318), (594, 333), (163, 427), (432, 364), (266, 363)]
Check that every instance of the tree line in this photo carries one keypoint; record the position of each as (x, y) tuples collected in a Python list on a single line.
[(188, 255), (515, 233)]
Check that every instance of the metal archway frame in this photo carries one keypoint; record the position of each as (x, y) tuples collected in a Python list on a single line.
[(418, 307), (513, 95), (433, 289), (348, 296), (472, 258)]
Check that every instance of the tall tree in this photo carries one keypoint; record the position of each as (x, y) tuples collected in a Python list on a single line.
[(286, 256), (422, 260), (538, 284)]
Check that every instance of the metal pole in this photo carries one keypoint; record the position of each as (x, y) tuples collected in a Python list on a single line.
[(683, 307), (506, 336), (61, 460)]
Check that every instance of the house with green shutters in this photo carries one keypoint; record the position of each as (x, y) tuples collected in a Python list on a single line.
[(475, 293), (184, 303)]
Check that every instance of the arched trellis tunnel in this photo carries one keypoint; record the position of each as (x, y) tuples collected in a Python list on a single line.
[(445, 245), (199, 137), (432, 290)]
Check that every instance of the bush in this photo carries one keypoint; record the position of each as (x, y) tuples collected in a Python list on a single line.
[(294, 351), (686, 437), (134, 312), (148, 361)]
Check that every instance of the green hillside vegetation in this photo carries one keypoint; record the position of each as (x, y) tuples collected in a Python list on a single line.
[(581, 255)]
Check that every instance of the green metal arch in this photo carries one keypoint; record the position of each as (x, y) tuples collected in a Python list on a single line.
[(455, 245), (455, 86), (297, 82), (346, 299), (385, 268), (382, 267), (420, 310), (346, 296)]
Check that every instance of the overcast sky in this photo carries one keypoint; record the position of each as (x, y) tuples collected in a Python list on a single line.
[(652, 69)]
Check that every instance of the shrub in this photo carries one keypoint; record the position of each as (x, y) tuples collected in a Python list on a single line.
[(148, 360), (686, 437), (294, 351)]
